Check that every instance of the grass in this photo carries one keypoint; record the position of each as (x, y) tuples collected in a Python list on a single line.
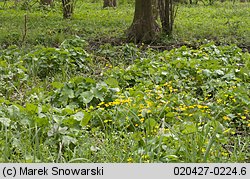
[(66, 96), (224, 23)]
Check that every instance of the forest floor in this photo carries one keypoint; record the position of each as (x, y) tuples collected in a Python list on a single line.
[(76, 91)]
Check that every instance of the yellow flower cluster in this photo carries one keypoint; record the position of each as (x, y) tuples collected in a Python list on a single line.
[(114, 103), (183, 107), (170, 87), (226, 118)]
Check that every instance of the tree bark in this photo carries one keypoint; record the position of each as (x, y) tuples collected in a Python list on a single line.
[(109, 3), (167, 15), (144, 26), (67, 8)]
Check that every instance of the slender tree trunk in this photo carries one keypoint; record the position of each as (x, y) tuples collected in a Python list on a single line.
[(144, 26), (67, 8), (167, 15), (109, 3)]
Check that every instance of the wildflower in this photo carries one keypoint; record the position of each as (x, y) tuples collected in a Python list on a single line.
[(226, 118), (219, 100), (225, 154), (183, 108), (136, 125), (248, 125), (165, 84), (199, 106), (142, 119), (191, 107), (243, 117), (149, 103), (158, 97), (101, 103), (129, 160)]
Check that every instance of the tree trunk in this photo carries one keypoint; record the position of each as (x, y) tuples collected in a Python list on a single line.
[(67, 8), (144, 26), (109, 3), (167, 15)]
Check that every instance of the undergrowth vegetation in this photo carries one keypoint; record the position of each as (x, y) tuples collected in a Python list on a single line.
[(183, 105), (67, 96)]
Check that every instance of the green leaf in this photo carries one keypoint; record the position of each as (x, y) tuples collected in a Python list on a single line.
[(31, 108), (150, 124), (89, 80), (86, 119), (66, 140), (112, 82), (170, 114), (86, 96), (5, 121), (57, 85), (97, 93), (78, 116), (42, 120), (67, 92), (219, 72), (189, 128)]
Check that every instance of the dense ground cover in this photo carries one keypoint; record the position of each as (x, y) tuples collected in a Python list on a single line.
[(224, 23), (64, 100)]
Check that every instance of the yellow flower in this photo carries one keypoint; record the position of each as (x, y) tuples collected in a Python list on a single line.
[(243, 117), (130, 160), (136, 125), (142, 119), (165, 84), (149, 103), (219, 100), (191, 107), (226, 118), (101, 103), (248, 125), (225, 154), (199, 106)]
